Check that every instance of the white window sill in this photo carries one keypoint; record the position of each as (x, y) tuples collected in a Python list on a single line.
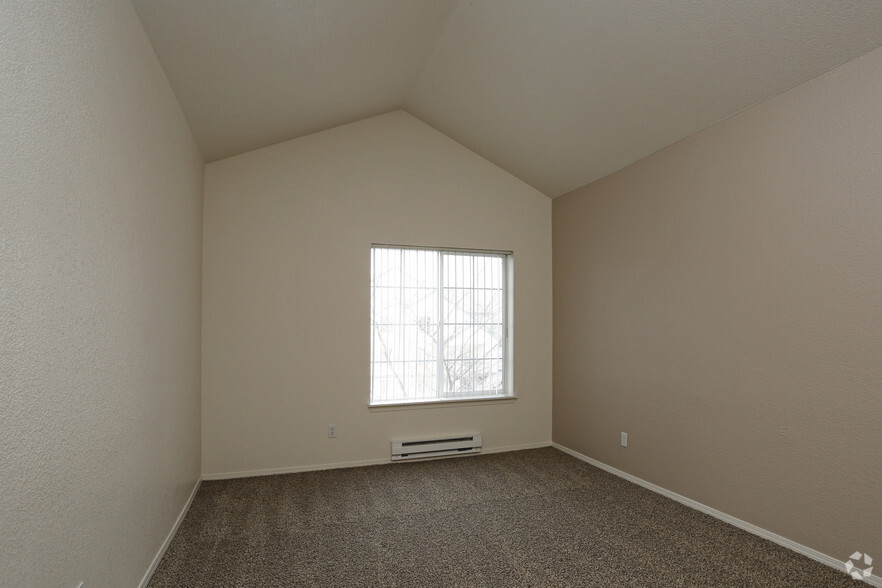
[(441, 403)]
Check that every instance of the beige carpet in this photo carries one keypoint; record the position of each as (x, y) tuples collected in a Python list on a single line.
[(527, 518)]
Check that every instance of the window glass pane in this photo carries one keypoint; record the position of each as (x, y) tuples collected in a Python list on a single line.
[(437, 325)]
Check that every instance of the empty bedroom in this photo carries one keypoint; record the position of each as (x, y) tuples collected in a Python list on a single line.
[(440, 293)]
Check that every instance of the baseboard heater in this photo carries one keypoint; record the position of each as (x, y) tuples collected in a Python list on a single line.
[(435, 447)]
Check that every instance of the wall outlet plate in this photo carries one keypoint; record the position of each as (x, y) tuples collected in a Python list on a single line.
[(624, 439), (332, 431)]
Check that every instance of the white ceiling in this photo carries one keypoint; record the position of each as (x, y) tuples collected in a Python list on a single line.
[(250, 73), (557, 92)]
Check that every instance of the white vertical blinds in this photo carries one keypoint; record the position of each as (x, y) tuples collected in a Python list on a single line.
[(438, 327)]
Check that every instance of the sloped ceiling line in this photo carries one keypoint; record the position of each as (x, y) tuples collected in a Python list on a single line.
[(559, 92)]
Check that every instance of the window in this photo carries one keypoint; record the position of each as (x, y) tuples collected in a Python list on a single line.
[(438, 325)]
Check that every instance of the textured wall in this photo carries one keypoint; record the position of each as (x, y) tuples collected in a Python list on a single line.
[(100, 242), (286, 333), (721, 301)]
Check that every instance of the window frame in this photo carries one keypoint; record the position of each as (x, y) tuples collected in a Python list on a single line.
[(507, 387)]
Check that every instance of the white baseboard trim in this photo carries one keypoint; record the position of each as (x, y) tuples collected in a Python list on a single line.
[(295, 469), (349, 464), (521, 447), (171, 535), (749, 527)]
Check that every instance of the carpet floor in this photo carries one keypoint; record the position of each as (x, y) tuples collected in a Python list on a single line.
[(525, 518)]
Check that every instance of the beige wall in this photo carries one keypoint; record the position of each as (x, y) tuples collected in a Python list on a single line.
[(721, 301), (100, 212), (286, 300)]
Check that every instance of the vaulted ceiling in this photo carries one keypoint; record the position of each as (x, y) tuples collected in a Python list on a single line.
[(557, 92)]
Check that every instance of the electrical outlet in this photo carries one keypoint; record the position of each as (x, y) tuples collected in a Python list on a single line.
[(624, 439), (332, 431)]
